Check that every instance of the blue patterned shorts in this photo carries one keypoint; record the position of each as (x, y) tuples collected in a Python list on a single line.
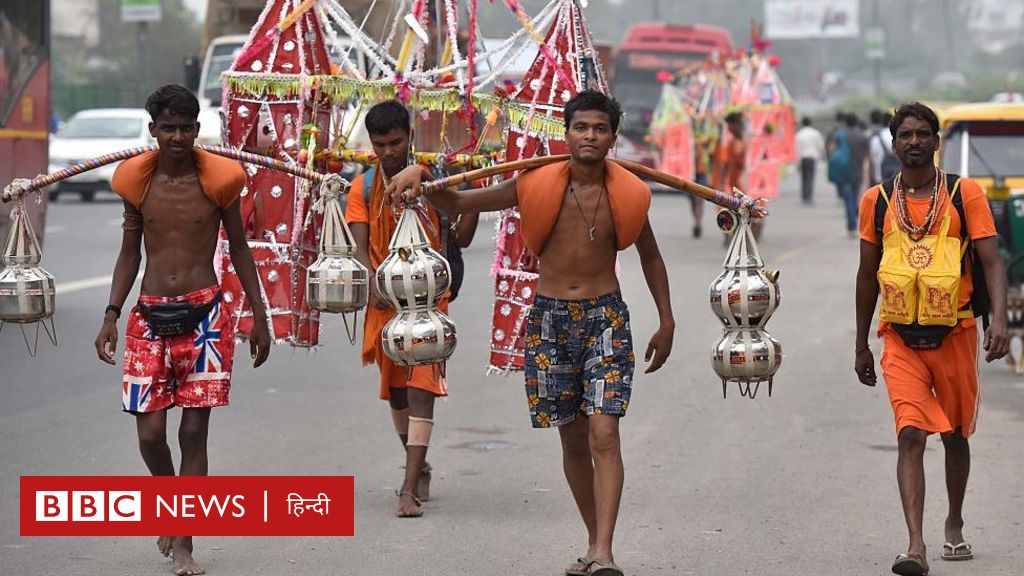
[(579, 358)]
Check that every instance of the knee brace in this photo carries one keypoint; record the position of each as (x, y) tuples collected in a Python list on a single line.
[(401, 420), (419, 431)]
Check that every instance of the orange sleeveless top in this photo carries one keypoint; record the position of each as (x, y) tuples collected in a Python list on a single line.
[(221, 179), (540, 193)]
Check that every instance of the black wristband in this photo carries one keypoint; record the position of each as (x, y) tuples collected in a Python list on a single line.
[(115, 309)]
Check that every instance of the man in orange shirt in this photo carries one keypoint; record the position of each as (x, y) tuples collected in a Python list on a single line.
[(411, 399), (931, 390)]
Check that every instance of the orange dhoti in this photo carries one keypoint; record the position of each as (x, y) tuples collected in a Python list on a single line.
[(391, 374), (934, 390)]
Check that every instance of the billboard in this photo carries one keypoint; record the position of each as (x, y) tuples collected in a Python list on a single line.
[(791, 19)]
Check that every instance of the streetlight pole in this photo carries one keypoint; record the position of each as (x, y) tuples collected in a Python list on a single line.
[(878, 61)]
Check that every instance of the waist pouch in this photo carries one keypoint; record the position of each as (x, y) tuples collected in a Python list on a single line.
[(176, 318), (918, 337)]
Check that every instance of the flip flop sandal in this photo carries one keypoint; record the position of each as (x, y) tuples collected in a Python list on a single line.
[(957, 552), (579, 568), (602, 569), (909, 565), (414, 499)]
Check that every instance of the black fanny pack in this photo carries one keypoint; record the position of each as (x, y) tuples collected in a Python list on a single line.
[(918, 337), (176, 318)]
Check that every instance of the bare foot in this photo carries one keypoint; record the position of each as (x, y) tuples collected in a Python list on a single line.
[(408, 506), (164, 543), (183, 562), (423, 484)]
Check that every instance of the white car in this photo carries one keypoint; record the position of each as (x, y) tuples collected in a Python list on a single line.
[(91, 133)]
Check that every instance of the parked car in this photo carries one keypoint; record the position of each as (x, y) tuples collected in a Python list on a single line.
[(91, 133), (1007, 98)]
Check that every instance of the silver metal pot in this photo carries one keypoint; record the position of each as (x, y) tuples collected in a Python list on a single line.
[(337, 284), (746, 356), (419, 337), (413, 275), (745, 297), (27, 294)]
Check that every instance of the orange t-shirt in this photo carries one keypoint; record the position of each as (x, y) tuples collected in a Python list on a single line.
[(980, 223)]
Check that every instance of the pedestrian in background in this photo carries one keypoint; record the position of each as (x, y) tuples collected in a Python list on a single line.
[(859, 147), (884, 162), (810, 145), (840, 173)]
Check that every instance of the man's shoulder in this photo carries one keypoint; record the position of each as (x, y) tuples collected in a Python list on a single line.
[(221, 178), (870, 198), (132, 176), (970, 187), (543, 175)]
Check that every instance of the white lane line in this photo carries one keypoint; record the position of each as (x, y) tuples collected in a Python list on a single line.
[(794, 253), (84, 284), (87, 283)]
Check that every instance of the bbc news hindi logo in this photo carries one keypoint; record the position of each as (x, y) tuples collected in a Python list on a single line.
[(201, 506), (88, 506)]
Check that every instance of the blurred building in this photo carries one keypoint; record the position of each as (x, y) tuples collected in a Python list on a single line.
[(996, 24), (76, 21)]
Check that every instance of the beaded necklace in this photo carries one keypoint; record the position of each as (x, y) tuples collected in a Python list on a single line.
[(935, 205)]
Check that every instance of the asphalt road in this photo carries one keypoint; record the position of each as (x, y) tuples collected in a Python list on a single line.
[(802, 483)]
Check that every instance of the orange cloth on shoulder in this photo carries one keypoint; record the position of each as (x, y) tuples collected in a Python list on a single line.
[(540, 192), (221, 179)]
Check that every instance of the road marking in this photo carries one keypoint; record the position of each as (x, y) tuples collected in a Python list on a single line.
[(84, 284), (88, 283), (786, 256)]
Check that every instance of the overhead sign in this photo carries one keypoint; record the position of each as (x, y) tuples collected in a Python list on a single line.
[(792, 19), (874, 43), (140, 10)]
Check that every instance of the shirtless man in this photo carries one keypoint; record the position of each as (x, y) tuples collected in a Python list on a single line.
[(178, 342), (579, 358)]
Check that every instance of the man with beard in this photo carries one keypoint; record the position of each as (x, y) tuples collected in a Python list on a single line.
[(577, 215), (930, 371)]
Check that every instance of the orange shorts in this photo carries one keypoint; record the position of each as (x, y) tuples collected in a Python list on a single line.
[(394, 376), (934, 390)]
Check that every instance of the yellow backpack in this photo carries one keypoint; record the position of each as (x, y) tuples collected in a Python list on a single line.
[(919, 282)]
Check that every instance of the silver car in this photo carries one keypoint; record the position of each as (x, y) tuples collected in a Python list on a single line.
[(91, 133)]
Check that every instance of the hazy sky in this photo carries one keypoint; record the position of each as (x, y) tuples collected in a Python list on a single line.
[(197, 6)]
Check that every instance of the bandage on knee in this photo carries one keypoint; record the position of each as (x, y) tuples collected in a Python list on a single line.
[(419, 431), (401, 420)]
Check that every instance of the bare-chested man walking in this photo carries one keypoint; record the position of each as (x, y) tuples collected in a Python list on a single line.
[(179, 342), (577, 215)]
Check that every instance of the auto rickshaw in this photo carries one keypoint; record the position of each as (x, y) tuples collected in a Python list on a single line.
[(985, 142)]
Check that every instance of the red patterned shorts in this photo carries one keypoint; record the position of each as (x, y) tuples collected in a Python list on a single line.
[(190, 370)]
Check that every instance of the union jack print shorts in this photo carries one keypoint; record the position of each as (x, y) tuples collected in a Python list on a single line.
[(189, 370), (579, 359)]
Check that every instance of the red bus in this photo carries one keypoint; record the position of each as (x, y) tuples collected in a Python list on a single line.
[(24, 99), (649, 48)]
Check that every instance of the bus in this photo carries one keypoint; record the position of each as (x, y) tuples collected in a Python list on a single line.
[(24, 100), (653, 47)]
